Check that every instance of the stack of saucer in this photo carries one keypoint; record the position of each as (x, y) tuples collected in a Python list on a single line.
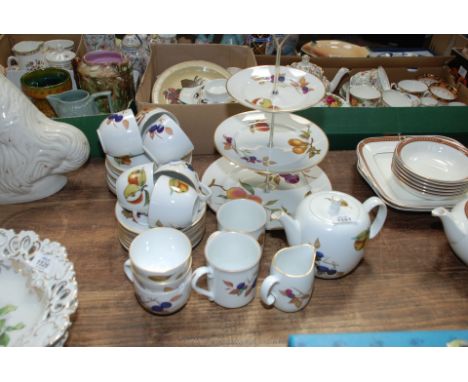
[(117, 165), (129, 227), (432, 166)]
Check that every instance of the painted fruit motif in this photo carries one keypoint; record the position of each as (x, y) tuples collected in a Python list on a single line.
[(297, 298), (361, 240), (135, 192), (178, 186)]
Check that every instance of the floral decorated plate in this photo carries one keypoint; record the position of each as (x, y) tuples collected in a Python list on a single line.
[(286, 190), (297, 90), (332, 100), (188, 74), (38, 290), (298, 144)]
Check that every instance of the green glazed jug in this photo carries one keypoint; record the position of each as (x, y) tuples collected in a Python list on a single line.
[(77, 103)]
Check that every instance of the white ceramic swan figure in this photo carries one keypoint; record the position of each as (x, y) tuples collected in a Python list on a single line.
[(35, 151)]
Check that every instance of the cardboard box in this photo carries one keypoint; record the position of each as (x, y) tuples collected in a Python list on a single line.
[(198, 121)]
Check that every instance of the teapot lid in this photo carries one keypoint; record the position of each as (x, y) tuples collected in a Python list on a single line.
[(335, 207)]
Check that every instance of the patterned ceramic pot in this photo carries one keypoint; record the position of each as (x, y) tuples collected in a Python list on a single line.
[(107, 70), (41, 83)]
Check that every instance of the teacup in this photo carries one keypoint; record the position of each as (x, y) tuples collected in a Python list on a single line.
[(28, 55), (233, 260), (415, 87), (166, 302), (134, 187), (216, 92), (185, 172), (160, 254), (41, 83), (119, 134), (59, 45), (292, 272), (429, 101), (245, 216), (394, 98), (364, 96), (173, 203), (154, 284), (164, 141), (146, 118)]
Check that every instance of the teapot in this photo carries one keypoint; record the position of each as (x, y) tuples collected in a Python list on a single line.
[(77, 103), (308, 67), (338, 226), (456, 227)]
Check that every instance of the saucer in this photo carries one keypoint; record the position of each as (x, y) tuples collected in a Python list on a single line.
[(229, 181), (298, 144), (297, 90), (199, 95)]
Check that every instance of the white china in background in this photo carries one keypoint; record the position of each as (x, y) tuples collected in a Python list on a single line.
[(364, 96), (27, 55), (413, 87)]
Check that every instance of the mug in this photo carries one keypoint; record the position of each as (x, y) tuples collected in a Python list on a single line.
[(157, 285), (242, 215), (41, 83), (160, 254), (146, 118), (134, 188), (119, 134), (166, 302), (173, 203), (364, 96), (233, 260), (164, 141), (292, 272), (27, 55)]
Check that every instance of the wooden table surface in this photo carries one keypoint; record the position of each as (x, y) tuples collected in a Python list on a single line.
[(409, 280)]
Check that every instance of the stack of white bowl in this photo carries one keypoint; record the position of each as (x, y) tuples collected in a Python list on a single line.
[(148, 168), (432, 167)]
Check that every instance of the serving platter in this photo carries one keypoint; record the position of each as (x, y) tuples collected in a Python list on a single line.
[(297, 90), (187, 74), (298, 144), (38, 290), (374, 164), (229, 181)]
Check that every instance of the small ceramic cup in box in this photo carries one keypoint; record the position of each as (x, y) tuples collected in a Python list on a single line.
[(233, 260), (173, 203), (216, 92), (28, 55), (119, 135), (292, 272), (166, 302), (160, 254), (185, 172), (134, 187), (364, 96), (395, 98), (242, 215), (157, 283), (164, 141)]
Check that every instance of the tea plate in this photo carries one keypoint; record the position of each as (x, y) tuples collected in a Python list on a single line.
[(186, 74), (298, 144), (229, 181), (38, 290), (374, 164), (297, 90), (121, 164)]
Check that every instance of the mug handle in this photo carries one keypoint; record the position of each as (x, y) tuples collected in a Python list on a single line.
[(265, 292), (128, 270), (379, 220), (107, 94), (200, 272), (12, 59)]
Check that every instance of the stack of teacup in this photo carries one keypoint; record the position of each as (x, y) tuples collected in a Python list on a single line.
[(163, 193), (159, 266)]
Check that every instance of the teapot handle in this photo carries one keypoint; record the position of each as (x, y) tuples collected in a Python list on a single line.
[(379, 220)]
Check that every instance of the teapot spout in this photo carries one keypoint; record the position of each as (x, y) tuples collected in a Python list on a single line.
[(291, 226), (336, 80), (453, 228)]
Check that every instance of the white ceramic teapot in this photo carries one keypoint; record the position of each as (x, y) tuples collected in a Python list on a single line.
[(338, 225), (456, 227), (307, 66)]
